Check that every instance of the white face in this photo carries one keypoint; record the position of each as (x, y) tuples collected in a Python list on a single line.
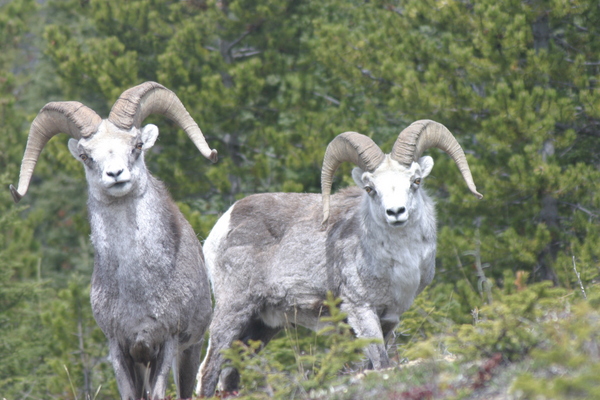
[(113, 158), (392, 189)]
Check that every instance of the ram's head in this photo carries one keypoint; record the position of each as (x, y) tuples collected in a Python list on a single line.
[(111, 149), (393, 180)]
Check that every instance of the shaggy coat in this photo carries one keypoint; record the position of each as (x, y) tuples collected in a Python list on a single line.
[(150, 293)]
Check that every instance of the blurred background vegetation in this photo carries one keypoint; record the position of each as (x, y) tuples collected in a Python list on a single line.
[(271, 83)]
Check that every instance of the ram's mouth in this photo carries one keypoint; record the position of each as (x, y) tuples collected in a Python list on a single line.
[(119, 185), (397, 223), (119, 188)]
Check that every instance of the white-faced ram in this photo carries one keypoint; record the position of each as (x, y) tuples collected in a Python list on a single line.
[(272, 258), (150, 293)]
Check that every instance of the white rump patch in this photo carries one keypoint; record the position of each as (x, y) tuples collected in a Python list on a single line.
[(214, 239)]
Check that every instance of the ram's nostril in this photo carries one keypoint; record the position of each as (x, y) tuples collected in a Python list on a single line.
[(114, 174), (394, 212)]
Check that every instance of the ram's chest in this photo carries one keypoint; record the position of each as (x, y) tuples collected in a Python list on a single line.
[(133, 240), (394, 272), (402, 277), (131, 272)]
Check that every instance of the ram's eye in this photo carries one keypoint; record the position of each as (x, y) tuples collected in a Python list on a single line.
[(139, 146), (83, 157), (368, 189), (417, 181)]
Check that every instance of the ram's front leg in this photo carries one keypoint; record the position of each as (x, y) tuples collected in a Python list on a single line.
[(161, 365), (365, 323), (130, 387)]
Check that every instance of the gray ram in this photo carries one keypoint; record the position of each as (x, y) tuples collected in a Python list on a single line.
[(150, 293), (273, 257)]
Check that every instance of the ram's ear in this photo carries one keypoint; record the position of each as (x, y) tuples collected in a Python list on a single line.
[(149, 136), (361, 178), (73, 145), (426, 164)]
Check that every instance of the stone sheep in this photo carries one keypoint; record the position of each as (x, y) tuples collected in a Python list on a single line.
[(150, 293)]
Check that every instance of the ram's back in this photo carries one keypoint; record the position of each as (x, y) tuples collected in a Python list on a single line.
[(275, 246)]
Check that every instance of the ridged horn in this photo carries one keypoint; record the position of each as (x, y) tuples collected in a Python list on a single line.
[(353, 147), (425, 134), (69, 117), (135, 104)]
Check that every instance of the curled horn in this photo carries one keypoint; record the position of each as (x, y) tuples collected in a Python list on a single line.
[(69, 117), (137, 103), (348, 146), (425, 134)]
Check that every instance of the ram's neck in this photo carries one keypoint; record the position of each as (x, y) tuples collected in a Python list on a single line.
[(131, 223)]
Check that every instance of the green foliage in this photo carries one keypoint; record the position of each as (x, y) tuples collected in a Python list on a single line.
[(20, 301), (77, 350), (42, 330), (546, 338), (567, 363), (510, 325)]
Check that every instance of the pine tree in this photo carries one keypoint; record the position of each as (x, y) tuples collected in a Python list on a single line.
[(516, 82)]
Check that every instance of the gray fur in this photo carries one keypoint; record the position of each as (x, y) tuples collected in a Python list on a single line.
[(150, 292), (271, 261)]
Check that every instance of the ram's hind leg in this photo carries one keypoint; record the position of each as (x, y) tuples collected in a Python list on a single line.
[(227, 326), (229, 380)]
